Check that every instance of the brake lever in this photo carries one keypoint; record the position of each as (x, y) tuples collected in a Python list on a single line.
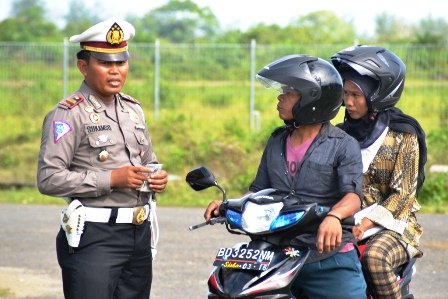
[(212, 221), (217, 220)]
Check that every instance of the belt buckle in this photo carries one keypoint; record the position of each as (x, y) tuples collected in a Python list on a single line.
[(139, 215)]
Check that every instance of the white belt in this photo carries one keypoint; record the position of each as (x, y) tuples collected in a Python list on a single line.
[(136, 215)]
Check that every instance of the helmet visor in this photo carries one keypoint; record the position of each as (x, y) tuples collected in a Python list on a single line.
[(279, 87)]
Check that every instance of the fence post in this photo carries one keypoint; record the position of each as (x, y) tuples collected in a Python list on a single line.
[(65, 63), (252, 91), (256, 115), (156, 80)]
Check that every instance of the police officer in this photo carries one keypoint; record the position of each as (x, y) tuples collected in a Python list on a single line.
[(95, 144)]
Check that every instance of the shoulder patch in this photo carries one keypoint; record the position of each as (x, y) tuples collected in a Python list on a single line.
[(71, 101), (129, 98), (60, 129)]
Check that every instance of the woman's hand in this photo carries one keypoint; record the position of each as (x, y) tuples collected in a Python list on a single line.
[(359, 230)]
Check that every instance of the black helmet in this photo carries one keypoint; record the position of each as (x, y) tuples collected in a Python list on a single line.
[(378, 63), (317, 80)]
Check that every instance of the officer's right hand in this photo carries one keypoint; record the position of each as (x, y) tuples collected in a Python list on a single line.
[(212, 210), (128, 177)]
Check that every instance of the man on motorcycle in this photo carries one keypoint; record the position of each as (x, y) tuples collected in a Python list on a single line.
[(317, 162)]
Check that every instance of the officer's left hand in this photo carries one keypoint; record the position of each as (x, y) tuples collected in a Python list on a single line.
[(157, 181), (329, 235)]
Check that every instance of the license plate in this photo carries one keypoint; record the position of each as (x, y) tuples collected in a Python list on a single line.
[(243, 258)]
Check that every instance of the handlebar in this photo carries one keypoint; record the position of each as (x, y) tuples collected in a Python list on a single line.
[(212, 221), (348, 221)]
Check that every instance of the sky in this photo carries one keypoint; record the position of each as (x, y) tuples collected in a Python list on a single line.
[(242, 14)]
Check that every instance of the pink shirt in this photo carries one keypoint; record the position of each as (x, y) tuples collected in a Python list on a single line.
[(294, 155)]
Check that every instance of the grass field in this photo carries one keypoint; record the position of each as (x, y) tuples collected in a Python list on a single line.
[(203, 115)]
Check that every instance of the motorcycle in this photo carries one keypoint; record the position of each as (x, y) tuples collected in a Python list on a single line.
[(266, 266)]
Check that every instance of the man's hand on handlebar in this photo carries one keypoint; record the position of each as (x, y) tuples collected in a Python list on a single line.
[(212, 210)]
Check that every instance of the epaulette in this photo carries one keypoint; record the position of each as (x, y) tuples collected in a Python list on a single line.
[(129, 98), (71, 101)]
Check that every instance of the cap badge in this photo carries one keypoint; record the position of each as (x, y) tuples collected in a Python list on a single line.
[(115, 35)]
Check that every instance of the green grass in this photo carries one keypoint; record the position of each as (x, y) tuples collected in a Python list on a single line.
[(4, 293), (182, 142), (203, 120)]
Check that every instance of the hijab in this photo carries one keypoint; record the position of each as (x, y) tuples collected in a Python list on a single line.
[(369, 128)]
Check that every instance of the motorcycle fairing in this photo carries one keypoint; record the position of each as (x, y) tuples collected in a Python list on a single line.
[(277, 280)]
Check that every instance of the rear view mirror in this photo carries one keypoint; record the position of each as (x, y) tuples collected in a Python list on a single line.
[(200, 178)]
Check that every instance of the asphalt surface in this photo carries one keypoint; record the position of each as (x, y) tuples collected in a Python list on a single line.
[(28, 266)]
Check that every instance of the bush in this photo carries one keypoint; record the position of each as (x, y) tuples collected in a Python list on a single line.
[(434, 190)]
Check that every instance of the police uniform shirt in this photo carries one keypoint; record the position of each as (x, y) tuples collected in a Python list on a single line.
[(76, 132)]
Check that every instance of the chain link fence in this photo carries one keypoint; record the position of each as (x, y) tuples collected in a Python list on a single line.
[(163, 77)]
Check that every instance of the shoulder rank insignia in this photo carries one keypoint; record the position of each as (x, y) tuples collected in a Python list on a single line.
[(71, 101), (129, 98)]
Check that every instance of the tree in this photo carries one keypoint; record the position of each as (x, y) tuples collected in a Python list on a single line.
[(324, 27), (28, 10), (321, 27), (27, 23), (391, 30), (177, 22), (430, 31), (79, 18)]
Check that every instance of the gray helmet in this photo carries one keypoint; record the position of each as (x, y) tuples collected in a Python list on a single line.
[(317, 80), (378, 63)]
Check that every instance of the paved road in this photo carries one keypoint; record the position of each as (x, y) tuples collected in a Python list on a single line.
[(28, 265)]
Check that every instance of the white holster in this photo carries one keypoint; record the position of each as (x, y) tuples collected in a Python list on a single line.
[(154, 225), (72, 222)]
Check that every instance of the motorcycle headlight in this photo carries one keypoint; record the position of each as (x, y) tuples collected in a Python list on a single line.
[(258, 218), (261, 218), (286, 219), (234, 218)]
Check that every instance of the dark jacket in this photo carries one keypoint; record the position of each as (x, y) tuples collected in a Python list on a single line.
[(331, 168)]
